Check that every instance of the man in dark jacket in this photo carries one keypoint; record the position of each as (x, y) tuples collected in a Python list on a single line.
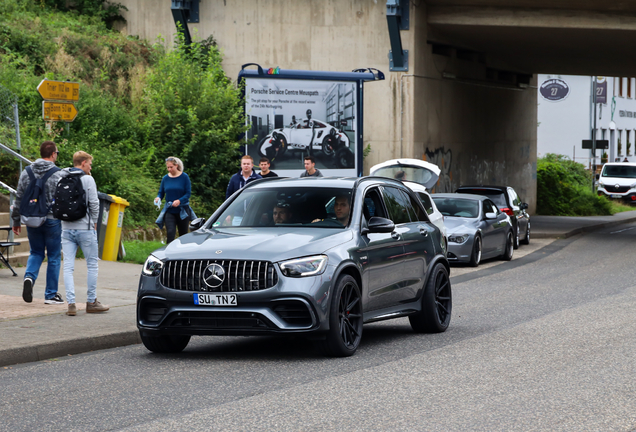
[(243, 177), (48, 236)]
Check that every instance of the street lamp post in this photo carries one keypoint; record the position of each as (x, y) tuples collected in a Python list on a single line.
[(594, 80)]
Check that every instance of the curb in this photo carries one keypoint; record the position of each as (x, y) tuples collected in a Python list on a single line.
[(581, 230), (40, 352)]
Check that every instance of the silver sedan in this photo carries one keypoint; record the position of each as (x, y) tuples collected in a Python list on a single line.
[(476, 228)]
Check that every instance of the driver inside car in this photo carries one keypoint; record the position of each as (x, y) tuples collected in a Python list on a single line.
[(342, 208)]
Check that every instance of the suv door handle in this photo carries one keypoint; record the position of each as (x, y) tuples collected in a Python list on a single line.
[(395, 235), (423, 231)]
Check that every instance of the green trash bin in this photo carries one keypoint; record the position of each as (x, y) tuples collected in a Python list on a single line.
[(102, 220)]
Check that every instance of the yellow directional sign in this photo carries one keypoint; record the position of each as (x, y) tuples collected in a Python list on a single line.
[(58, 111), (59, 90)]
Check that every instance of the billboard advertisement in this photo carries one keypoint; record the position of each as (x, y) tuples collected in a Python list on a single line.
[(290, 119)]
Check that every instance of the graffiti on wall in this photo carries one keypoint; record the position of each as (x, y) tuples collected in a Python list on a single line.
[(486, 172), (444, 160)]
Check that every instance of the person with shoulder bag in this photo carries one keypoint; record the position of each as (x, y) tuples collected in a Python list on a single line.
[(176, 188), (32, 207), (77, 205)]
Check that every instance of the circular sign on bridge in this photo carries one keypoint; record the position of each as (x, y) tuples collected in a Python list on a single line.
[(554, 90)]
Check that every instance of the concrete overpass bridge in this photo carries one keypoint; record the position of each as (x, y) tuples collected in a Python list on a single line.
[(467, 100)]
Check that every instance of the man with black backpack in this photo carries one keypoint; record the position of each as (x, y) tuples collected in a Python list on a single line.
[(34, 199), (77, 205)]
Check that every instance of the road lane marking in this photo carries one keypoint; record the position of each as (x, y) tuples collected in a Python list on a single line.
[(626, 229)]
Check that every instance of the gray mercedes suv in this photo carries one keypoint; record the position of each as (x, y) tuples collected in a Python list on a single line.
[(314, 256)]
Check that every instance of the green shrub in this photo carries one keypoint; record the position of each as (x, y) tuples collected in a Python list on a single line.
[(564, 188), (138, 103)]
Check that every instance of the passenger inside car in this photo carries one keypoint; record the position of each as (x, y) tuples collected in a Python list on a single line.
[(282, 213)]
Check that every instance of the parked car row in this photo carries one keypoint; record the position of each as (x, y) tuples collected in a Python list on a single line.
[(321, 257), (477, 221)]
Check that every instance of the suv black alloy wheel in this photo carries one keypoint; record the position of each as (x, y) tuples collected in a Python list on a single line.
[(345, 319), (437, 304)]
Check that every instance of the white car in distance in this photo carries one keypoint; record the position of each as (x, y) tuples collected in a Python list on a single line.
[(419, 176)]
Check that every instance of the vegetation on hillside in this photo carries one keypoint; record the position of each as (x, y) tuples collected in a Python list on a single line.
[(564, 188), (139, 103)]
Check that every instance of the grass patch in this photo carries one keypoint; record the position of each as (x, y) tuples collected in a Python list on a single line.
[(137, 251), (619, 207)]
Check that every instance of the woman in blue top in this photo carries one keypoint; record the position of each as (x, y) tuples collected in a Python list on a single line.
[(175, 186)]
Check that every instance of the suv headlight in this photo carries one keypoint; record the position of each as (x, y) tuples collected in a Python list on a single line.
[(153, 266), (301, 267), (458, 238)]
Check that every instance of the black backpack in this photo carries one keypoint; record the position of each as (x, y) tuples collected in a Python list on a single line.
[(33, 208), (70, 199)]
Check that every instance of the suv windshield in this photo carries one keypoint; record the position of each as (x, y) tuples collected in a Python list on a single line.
[(620, 171), (288, 206), (457, 207)]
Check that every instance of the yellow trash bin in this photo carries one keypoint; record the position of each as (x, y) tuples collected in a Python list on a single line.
[(113, 228)]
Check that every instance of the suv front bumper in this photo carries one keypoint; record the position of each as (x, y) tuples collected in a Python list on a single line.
[(293, 305)]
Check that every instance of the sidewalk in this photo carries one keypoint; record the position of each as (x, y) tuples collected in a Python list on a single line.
[(35, 331)]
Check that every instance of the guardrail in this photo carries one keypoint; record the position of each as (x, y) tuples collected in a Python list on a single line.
[(14, 154)]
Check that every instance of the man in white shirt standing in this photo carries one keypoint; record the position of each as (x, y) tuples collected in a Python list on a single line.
[(82, 232)]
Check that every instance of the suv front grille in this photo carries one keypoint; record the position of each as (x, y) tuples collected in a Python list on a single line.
[(240, 275), (620, 189)]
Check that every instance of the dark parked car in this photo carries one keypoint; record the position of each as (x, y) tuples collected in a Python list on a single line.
[(314, 256), (475, 227), (508, 202)]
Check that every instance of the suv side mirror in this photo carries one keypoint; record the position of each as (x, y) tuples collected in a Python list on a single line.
[(196, 224), (380, 225), (491, 215), (523, 206)]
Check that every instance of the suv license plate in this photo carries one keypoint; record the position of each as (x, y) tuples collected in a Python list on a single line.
[(215, 299), (616, 196)]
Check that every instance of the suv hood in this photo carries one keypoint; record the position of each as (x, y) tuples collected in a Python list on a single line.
[(263, 244)]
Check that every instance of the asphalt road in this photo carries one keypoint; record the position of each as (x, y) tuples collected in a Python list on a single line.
[(546, 342)]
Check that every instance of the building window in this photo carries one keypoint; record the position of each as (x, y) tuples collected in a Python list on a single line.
[(621, 87)]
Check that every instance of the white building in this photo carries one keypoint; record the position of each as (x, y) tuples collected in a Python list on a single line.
[(565, 117)]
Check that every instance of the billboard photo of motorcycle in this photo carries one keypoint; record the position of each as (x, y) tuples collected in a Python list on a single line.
[(292, 119)]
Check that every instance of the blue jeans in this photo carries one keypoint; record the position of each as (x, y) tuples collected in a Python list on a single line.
[(87, 240), (47, 236)]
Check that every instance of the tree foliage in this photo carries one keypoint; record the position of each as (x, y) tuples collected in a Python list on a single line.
[(139, 102), (564, 189)]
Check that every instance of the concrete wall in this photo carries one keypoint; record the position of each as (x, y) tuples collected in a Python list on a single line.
[(475, 132)]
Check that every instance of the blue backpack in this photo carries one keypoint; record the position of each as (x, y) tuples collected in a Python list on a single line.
[(33, 208)]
